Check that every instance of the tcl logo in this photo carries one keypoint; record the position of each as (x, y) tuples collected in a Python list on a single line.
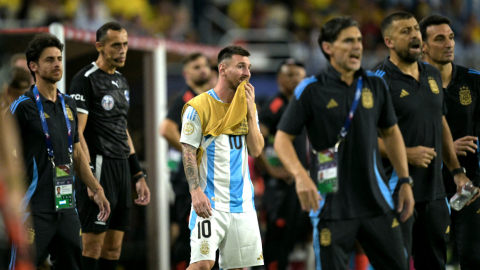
[(78, 97)]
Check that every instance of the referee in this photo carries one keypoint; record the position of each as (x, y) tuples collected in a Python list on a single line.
[(462, 94), (419, 106), (197, 73), (286, 223), (362, 207), (48, 124), (102, 98)]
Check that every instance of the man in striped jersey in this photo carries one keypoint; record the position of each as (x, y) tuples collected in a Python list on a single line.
[(223, 214)]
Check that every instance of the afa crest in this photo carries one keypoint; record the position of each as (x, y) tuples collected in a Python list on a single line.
[(433, 85), (30, 236), (465, 97), (69, 113), (325, 237), (204, 248), (367, 98)]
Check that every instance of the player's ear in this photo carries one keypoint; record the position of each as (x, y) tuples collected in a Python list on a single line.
[(222, 69), (33, 66), (424, 46), (99, 46), (327, 47)]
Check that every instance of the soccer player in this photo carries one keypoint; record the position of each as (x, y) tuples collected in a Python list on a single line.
[(286, 223), (196, 72), (223, 213), (418, 99), (462, 99), (47, 121), (362, 207), (102, 97)]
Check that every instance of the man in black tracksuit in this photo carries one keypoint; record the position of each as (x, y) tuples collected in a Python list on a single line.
[(362, 208), (462, 93), (418, 99)]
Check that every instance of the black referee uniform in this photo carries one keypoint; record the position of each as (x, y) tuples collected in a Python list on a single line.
[(183, 199), (362, 208), (462, 98), (419, 106), (53, 232), (105, 98), (286, 222)]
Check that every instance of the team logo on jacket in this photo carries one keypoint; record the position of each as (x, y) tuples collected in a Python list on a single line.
[(367, 98), (465, 97), (325, 237), (433, 85), (127, 96), (108, 102), (30, 236), (69, 113), (204, 248)]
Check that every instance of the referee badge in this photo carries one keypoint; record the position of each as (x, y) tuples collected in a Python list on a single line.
[(204, 248), (465, 97), (433, 85), (69, 113), (325, 237), (108, 102), (367, 98), (30, 236)]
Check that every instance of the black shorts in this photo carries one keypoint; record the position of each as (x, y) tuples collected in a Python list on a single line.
[(380, 237), (114, 176), (57, 234)]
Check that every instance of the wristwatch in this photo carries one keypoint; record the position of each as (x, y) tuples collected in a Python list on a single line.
[(404, 180), (138, 177), (458, 170)]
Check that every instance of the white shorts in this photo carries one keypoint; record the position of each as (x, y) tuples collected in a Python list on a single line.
[(236, 235)]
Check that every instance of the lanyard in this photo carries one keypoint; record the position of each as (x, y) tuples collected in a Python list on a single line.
[(45, 125), (348, 121)]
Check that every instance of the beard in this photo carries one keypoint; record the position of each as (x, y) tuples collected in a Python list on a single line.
[(408, 57), (50, 79), (201, 81)]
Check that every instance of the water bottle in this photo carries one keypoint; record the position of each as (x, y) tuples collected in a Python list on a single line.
[(457, 202)]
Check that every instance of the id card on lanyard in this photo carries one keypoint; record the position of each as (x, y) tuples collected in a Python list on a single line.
[(62, 174), (327, 168)]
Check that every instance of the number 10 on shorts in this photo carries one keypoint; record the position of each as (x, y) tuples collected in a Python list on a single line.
[(204, 229)]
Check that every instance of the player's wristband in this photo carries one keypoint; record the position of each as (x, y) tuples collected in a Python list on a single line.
[(134, 165), (404, 180), (138, 177), (458, 170)]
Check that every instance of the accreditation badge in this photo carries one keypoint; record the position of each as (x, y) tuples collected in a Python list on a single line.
[(327, 170), (63, 184)]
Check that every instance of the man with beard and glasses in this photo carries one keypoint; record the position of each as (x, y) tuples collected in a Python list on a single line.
[(419, 106), (462, 93), (345, 95), (222, 124), (197, 73), (102, 96)]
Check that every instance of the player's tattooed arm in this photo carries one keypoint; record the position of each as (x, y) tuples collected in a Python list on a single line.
[(190, 164)]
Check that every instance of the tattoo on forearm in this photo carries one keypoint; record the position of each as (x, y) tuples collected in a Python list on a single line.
[(190, 164)]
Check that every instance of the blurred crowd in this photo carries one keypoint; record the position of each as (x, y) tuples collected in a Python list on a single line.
[(179, 19)]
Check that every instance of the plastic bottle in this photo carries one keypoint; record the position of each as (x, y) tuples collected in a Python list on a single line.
[(457, 202)]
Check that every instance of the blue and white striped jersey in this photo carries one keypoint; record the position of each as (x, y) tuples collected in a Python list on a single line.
[(223, 171)]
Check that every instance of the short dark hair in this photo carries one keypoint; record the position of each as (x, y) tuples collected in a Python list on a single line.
[(432, 20), (331, 30), (38, 44), (102, 31), (192, 57), (289, 61), (228, 52), (396, 16)]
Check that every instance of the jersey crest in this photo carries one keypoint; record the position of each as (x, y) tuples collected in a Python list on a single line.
[(108, 102), (465, 97), (433, 85)]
